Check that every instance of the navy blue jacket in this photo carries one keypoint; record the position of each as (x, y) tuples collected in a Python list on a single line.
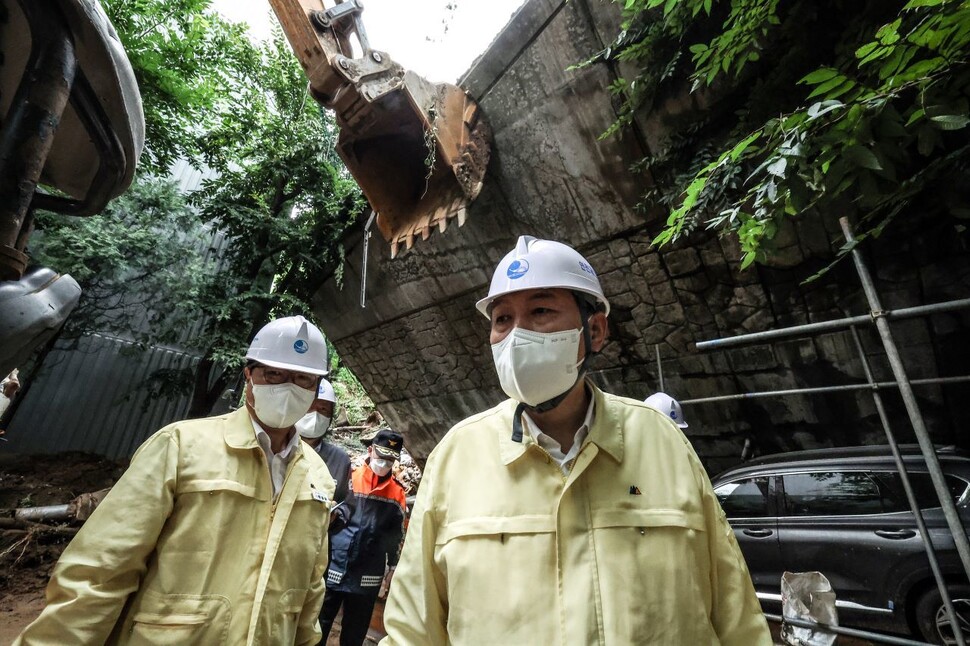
[(338, 464), (372, 536)]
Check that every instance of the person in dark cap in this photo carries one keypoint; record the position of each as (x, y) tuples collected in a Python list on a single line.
[(365, 552)]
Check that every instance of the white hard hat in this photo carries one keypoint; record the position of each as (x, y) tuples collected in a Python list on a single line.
[(668, 406), (291, 343), (325, 392), (540, 264)]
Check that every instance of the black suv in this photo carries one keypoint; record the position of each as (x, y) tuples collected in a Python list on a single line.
[(843, 512)]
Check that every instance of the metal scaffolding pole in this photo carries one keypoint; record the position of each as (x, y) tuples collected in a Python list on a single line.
[(833, 326), (910, 495), (909, 399), (815, 390), (842, 630)]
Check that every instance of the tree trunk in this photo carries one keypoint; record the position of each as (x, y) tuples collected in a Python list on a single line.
[(202, 395)]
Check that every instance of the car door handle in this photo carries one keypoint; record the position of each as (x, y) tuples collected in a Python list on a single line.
[(895, 534), (757, 533)]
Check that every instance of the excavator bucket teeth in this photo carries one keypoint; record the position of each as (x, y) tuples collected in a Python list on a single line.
[(419, 155), (418, 150)]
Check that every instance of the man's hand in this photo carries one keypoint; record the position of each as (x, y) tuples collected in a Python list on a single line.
[(386, 583), (10, 387)]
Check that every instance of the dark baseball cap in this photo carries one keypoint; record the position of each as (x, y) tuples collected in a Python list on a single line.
[(386, 443)]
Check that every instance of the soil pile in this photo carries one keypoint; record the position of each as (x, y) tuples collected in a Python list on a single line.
[(28, 555)]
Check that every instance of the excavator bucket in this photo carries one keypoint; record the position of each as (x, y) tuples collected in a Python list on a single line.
[(422, 159), (418, 150)]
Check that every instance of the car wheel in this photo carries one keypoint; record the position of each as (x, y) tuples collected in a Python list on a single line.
[(932, 619)]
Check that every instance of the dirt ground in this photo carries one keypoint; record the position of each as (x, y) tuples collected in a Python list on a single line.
[(27, 556)]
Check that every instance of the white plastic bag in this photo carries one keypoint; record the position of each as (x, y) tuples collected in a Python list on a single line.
[(808, 596)]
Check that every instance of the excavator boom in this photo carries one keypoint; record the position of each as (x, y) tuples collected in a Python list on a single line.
[(418, 150)]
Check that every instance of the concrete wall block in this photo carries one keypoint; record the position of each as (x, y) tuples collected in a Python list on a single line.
[(682, 261), (644, 315), (919, 361), (703, 386), (672, 313), (713, 257), (621, 252), (626, 300), (641, 249), (699, 314), (753, 358), (787, 256), (602, 261), (797, 352), (759, 321), (652, 269), (680, 339), (724, 448), (695, 283), (656, 333), (642, 290), (899, 295), (663, 294)]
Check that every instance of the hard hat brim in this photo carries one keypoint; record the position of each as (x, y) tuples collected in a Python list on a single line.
[(482, 305), (322, 372)]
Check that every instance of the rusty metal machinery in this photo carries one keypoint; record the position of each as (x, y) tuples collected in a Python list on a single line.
[(418, 150), (70, 121)]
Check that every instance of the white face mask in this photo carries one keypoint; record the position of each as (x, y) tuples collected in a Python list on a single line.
[(312, 425), (281, 405), (534, 367), (380, 466)]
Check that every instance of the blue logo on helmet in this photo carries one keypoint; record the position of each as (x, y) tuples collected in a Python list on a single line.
[(517, 269), (301, 346)]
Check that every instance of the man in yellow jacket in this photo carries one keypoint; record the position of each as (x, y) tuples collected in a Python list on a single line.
[(217, 532), (565, 515)]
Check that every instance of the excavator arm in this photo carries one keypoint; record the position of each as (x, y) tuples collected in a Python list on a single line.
[(418, 150)]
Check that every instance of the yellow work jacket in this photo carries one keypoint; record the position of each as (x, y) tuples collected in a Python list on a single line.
[(189, 547), (630, 548)]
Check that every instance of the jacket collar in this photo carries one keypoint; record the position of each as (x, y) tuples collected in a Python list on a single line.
[(239, 430), (239, 433), (606, 431)]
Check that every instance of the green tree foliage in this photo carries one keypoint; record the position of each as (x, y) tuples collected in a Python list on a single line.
[(350, 393), (184, 57), (144, 252), (283, 200), (819, 106), (280, 203)]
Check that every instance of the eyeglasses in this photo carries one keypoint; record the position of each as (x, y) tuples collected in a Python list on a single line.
[(275, 376)]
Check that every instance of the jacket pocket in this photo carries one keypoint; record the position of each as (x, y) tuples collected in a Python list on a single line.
[(643, 518), (495, 526), (497, 569), (288, 611), (654, 565), (219, 485), (180, 619)]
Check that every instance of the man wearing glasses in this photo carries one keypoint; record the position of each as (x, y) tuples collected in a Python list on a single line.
[(217, 532)]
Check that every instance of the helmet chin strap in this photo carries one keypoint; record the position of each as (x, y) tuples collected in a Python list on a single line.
[(585, 312)]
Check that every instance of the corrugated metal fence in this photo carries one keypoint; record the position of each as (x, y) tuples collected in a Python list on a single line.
[(86, 397)]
